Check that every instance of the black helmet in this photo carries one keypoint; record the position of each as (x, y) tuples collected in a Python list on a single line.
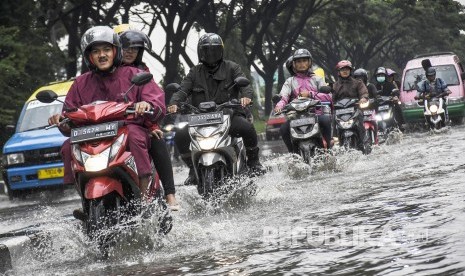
[(289, 66), (99, 34), (381, 70), (430, 71), (210, 49), (136, 39), (301, 53), (361, 73)]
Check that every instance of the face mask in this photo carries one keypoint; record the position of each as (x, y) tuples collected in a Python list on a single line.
[(380, 79)]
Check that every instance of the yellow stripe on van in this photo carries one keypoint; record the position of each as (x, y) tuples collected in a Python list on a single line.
[(61, 88)]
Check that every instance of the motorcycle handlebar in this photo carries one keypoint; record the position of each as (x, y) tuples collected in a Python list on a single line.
[(62, 122), (132, 111)]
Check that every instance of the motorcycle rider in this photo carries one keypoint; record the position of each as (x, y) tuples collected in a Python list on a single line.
[(362, 74), (387, 88), (106, 80), (348, 87), (303, 84), (433, 87), (391, 77), (208, 82), (134, 42)]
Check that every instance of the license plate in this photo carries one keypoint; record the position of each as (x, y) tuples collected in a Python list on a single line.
[(367, 112), (206, 119), (94, 132), (344, 111), (50, 173), (383, 107), (302, 122)]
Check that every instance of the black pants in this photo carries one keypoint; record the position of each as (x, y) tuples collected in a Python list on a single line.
[(325, 125), (162, 160), (240, 127), (398, 115)]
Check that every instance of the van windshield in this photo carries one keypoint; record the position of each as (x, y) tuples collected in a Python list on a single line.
[(446, 72), (36, 115)]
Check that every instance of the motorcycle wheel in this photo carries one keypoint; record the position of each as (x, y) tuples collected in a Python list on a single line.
[(210, 179), (104, 214), (349, 143)]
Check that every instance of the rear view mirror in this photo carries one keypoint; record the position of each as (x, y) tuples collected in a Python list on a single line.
[(276, 98), (241, 81), (46, 96), (141, 78), (10, 129), (426, 63), (173, 88), (325, 89)]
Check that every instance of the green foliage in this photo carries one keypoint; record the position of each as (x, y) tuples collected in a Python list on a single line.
[(27, 60)]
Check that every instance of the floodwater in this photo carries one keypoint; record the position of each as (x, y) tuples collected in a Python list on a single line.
[(397, 211)]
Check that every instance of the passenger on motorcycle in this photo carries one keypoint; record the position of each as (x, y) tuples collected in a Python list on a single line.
[(362, 74), (134, 42), (433, 87), (303, 84), (208, 81), (387, 88), (106, 80), (391, 77), (349, 87)]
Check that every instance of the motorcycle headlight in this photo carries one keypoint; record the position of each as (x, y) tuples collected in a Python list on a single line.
[(168, 127), (116, 146), (387, 115), (14, 158), (364, 105), (76, 151), (208, 143), (98, 162), (181, 125), (433, 108), (347, 124)]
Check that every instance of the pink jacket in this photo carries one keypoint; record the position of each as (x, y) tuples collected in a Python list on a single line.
[(92, 86)]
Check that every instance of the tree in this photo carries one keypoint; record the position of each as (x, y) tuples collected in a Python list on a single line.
[(27, 60)]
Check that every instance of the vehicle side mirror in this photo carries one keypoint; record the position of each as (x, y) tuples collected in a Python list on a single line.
[(46, 96), (462, 75), (141, 78), (173, 88), (10, 129), (325, 89), (241, 81), (276, 98)]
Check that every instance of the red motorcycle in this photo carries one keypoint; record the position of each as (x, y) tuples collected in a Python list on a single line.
[(369, 121), (105, 172)]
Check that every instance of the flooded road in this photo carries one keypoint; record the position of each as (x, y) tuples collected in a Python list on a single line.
[(398, 211)]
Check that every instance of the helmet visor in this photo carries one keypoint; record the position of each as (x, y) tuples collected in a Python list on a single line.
[(210, 54)]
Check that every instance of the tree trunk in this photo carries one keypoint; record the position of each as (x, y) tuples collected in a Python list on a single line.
[(268, 91)]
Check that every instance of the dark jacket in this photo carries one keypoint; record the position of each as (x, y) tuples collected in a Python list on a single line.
[(372, 91), (349, 88), (203, 85), (385, 89)]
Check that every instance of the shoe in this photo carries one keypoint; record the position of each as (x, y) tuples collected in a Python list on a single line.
[(190, 180), (172, 203), (253, 162), (80, 215)]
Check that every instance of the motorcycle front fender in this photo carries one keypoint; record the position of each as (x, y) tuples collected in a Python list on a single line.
[(210, 158), (348, 133), (368, 125), (102, 185)]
